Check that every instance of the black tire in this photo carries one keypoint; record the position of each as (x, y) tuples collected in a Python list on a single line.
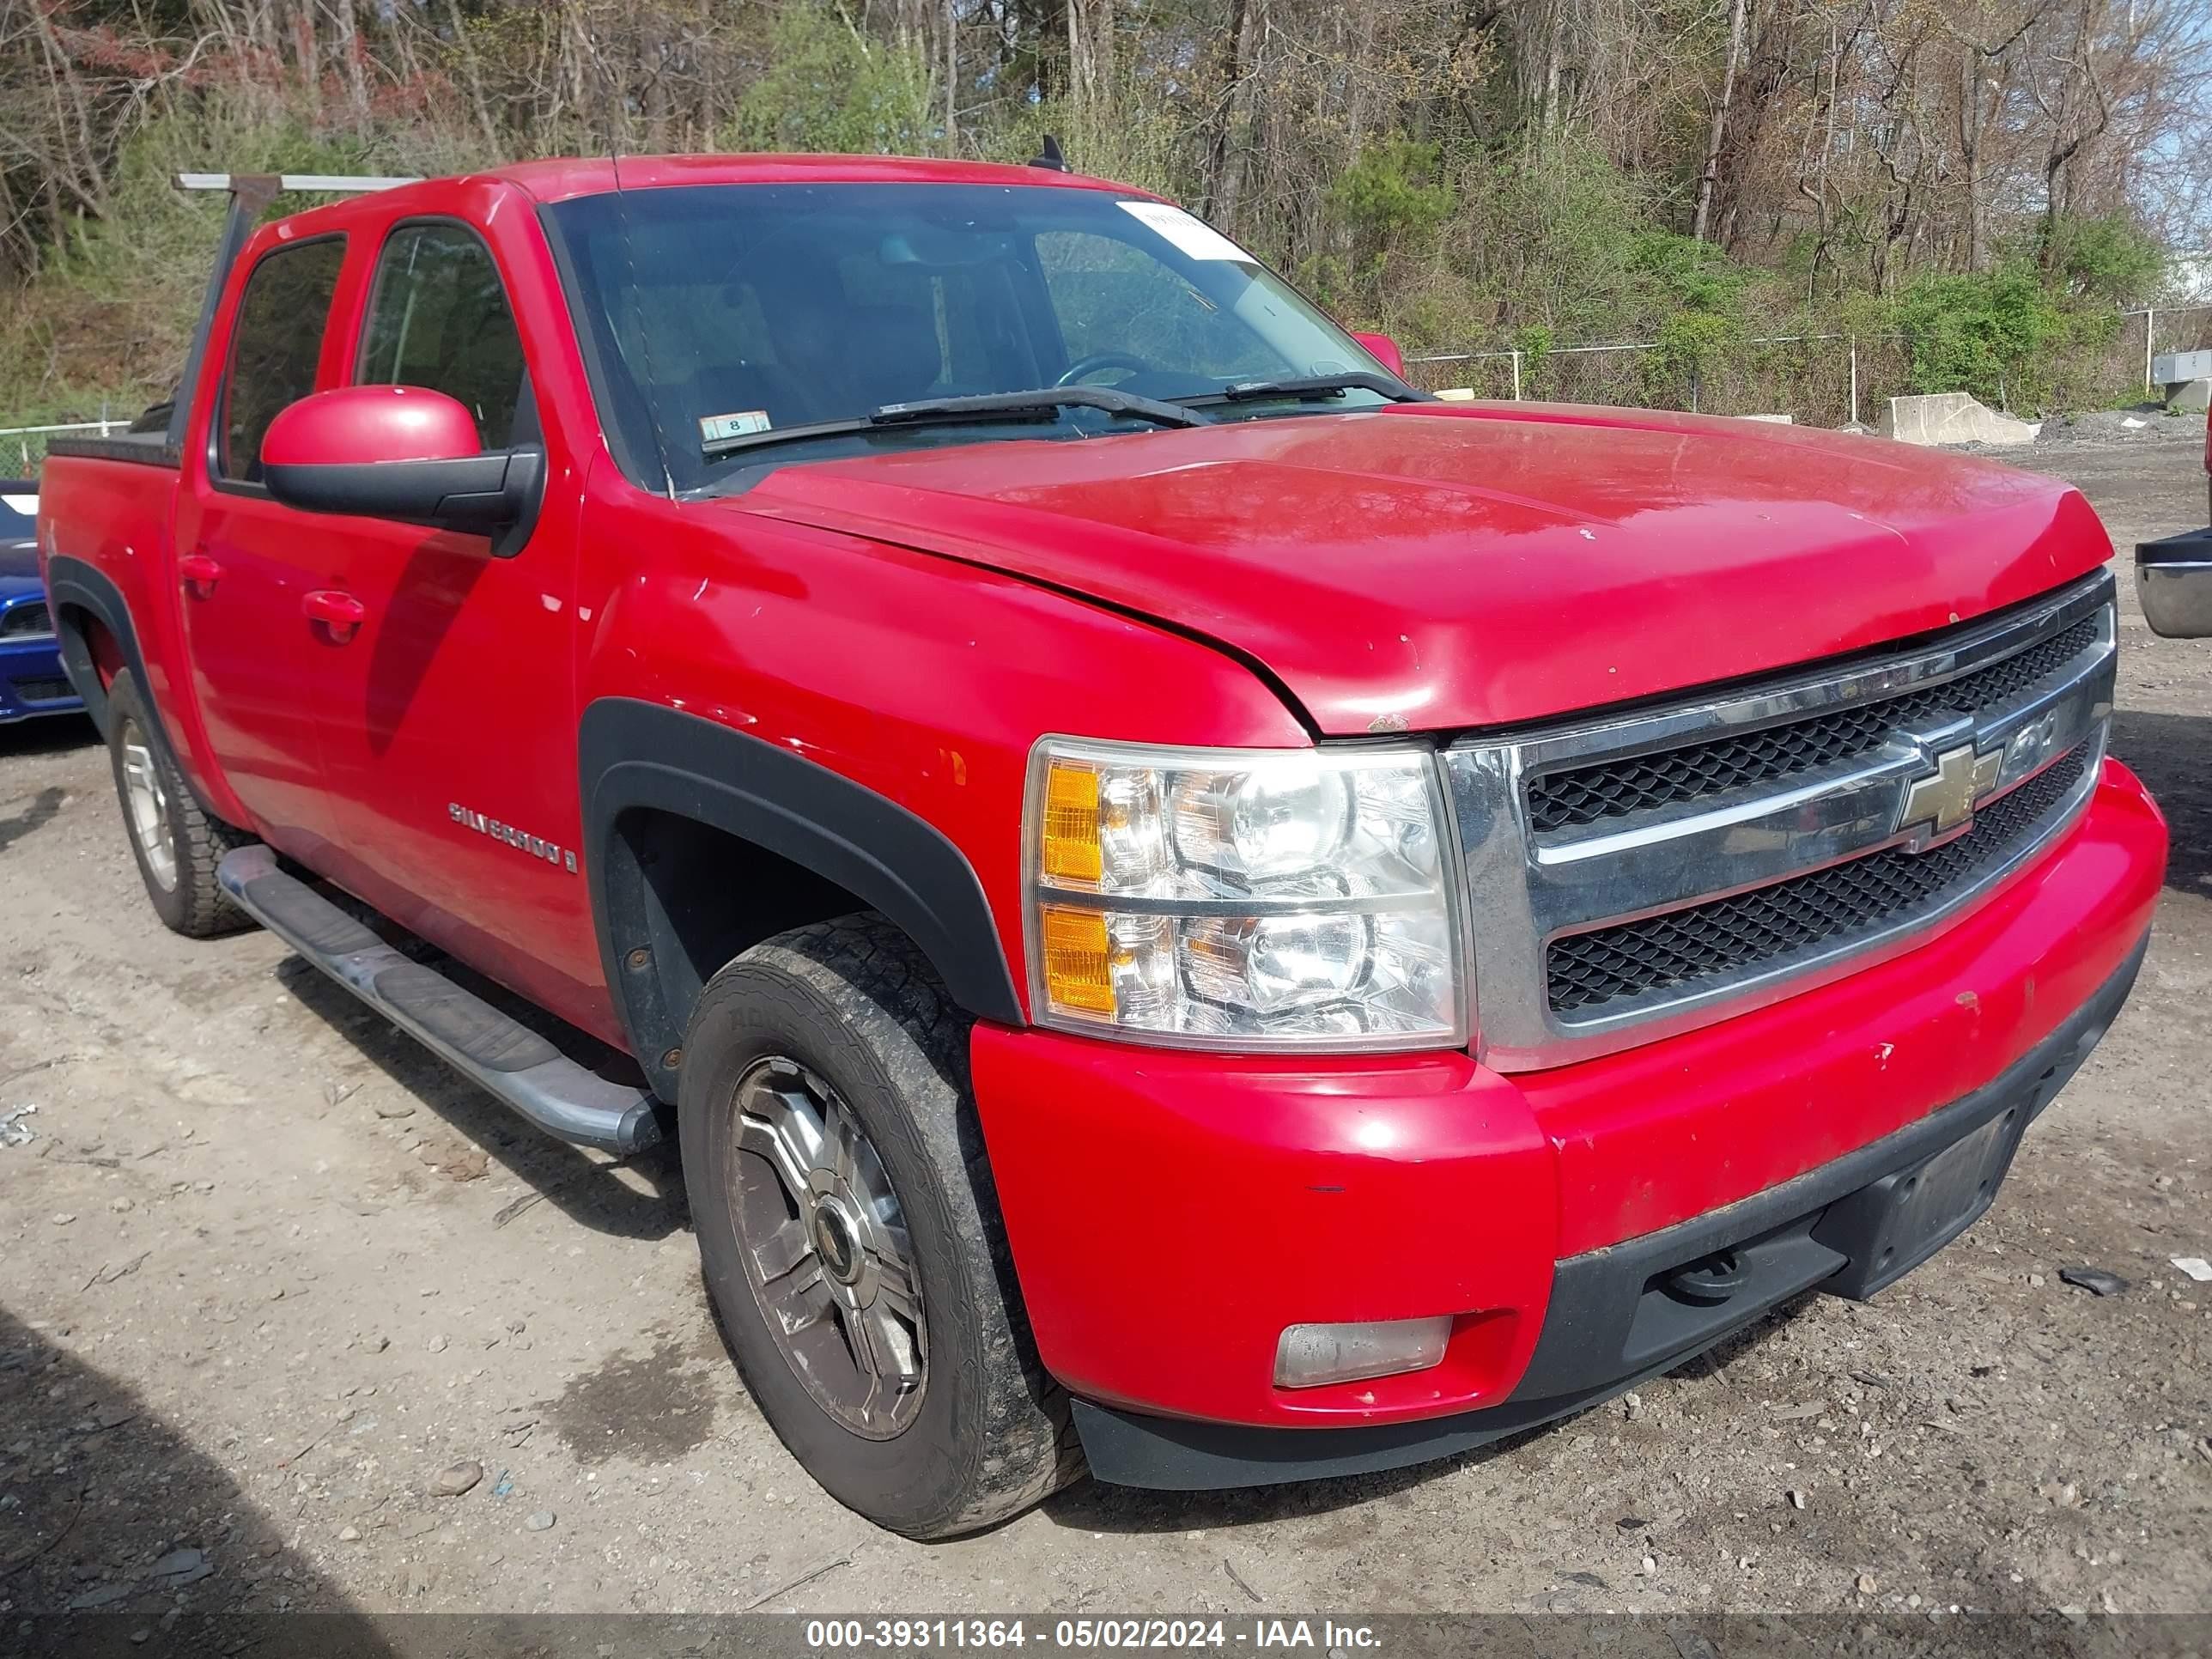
[(189, 902), (855, 1004)]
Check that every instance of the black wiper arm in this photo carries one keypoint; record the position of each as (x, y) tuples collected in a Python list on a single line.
[(1310, 388), (1042, 402), (1040, 405)]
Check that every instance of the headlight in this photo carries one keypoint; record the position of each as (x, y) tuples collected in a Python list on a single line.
[(1246, 899)]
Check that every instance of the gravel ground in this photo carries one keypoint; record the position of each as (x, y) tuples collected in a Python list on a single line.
[(273, 1282)]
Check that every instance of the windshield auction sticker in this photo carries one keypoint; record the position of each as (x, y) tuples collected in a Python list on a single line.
[(719, 429), (1194, 237)]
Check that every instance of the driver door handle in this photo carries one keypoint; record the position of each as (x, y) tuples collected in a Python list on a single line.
[(200, 574), (341, 613)]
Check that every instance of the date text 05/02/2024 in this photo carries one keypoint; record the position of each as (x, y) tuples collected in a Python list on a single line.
[(1322, 1636)]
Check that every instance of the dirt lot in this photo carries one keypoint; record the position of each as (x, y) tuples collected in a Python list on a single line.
[(267, 1270)]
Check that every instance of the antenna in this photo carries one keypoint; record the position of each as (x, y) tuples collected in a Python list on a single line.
[(1050, 157)]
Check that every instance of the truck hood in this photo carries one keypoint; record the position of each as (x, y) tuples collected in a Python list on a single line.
[(1428, 567)]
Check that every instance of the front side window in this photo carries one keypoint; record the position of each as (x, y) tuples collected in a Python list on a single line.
[(439, 319), (277, 349), (736, 309)]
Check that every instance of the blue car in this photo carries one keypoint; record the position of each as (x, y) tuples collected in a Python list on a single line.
[(31, 679)]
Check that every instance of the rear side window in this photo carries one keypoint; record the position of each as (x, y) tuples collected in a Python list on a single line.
[(440, 319), (279, 342)]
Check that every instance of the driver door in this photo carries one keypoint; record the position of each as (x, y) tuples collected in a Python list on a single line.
[(447, 718), (246, 562)]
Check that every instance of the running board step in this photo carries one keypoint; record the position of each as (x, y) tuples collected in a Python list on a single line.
[(494, 1050)]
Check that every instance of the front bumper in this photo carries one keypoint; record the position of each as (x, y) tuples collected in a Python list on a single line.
[(1632, 1310), (1170, 1213), (31, 681)]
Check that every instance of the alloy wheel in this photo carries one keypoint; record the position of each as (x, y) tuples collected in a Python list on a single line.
[(826, 1248), (148, 804)]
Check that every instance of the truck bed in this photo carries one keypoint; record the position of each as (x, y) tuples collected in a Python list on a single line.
[(142, 448)]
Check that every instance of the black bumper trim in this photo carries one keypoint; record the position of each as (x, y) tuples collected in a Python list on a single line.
[(1611, 1322)]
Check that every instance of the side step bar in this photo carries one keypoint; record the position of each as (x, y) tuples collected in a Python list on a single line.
[(494, 1050)]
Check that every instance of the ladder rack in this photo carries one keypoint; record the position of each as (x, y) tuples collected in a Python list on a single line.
[(250, 195)]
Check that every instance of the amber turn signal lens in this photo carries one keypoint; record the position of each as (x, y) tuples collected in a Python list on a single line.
[(1078, 966), (1071, 851)]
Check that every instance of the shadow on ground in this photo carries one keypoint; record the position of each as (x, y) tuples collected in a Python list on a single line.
[(582, 1187), (112, 1524), (2172, 755), (51, 734)]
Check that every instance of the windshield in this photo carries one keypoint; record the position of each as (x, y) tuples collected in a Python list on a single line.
[(714, 312)]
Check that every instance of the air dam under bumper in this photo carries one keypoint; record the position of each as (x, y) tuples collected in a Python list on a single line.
[(1171, 1212), (1620, 1315)]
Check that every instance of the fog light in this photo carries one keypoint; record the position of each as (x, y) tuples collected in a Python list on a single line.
[(1311, 1355)]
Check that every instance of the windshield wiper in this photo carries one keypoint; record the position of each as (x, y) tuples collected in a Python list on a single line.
[(1042, 402), (1310, 388)]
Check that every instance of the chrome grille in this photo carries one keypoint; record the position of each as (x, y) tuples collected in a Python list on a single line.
[(1588, 793), (1679, 947), (1636, 874)]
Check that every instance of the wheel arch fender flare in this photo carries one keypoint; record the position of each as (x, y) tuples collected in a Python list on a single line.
[(75, 587), (637, 756)]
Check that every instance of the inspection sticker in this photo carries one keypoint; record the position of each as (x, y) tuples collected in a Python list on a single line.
[(1193, 236), (715, 428)]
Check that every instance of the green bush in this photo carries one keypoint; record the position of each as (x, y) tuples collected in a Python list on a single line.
[(1692, 344), (830, 88), (1692, 275), (2108, 259), (1391, 192), (1986, 332)]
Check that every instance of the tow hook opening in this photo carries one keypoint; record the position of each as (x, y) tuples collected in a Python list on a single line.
[(1710, 1280)]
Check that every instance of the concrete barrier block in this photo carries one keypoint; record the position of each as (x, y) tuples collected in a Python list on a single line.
[(1953, 417), (2189, 394)]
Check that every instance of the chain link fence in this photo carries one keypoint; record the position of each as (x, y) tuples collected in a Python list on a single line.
[(1819, 379), (23, 447)]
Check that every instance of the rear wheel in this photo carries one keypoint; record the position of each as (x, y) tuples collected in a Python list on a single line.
[(176, 841), (850, 1238)]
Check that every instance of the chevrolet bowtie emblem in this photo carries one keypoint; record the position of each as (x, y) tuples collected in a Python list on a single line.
[(1946, 801)]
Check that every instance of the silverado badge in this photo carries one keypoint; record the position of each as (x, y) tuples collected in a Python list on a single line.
[(552, 852)]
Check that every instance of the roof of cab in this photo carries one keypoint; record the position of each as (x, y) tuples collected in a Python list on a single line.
[(564, 179), (559, 180)]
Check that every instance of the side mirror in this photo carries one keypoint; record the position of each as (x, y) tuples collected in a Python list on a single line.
[(2173, 580), (402, 453), (1384, 350)]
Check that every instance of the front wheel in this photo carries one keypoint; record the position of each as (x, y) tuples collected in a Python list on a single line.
[(176, 841), (850, 1238)]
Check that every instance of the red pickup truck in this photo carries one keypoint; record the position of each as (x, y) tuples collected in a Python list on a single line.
[(1188, 906)]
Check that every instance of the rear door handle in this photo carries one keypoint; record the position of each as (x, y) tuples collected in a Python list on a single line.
[(200, 574), (341, 613)]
